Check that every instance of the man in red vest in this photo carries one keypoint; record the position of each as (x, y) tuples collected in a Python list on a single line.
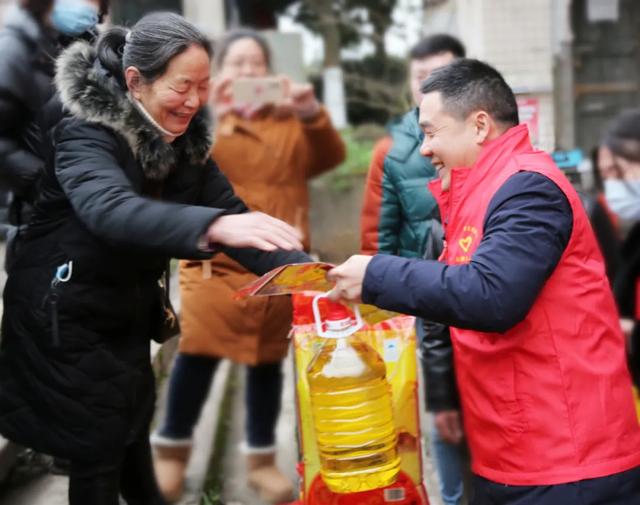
[(539, 353)]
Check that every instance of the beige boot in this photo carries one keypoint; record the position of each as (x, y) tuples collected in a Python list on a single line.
[(170, 463), (263, 475)]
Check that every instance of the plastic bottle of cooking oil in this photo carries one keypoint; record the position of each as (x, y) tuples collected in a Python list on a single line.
[(351, 405)]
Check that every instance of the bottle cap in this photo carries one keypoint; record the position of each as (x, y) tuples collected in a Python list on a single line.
[(339, 321), (335, 310)]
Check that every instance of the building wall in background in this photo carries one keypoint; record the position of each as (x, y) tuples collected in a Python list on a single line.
[(606, 70), (577, 60), (516, 38), (208, 15), (4, 4)]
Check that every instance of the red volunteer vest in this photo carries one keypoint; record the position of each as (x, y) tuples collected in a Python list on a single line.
[(550, 400)]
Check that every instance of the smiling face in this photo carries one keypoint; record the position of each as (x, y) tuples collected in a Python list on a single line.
[(177, 95), (448, 141)]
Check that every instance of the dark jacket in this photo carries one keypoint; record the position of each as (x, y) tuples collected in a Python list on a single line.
[(116, 202), (398, 206), (627, 292), (26, 73), (436, 349), (604, 226), (527, 227)]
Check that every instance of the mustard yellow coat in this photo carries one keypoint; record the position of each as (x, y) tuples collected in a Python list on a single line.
[(268, 161)]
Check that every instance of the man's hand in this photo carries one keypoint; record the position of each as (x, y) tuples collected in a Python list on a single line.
[(449, 426), (348, 278)]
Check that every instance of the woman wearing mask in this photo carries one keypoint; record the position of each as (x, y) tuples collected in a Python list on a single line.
[(130, 185), (77, 18), (268, 153), (620, 159), (34, 33)]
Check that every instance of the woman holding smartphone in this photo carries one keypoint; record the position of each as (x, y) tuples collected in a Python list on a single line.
[(268, 150)]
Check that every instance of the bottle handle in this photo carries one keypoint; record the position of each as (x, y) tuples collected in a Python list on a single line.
[(318, 319)]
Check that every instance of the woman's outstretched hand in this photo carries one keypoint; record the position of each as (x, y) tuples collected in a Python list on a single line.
[(254, 229)]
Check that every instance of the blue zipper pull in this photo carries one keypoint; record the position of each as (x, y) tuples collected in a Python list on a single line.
[(63, 274)]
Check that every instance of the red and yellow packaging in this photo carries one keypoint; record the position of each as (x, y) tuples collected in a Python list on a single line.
[(395, 340), (393, 336)]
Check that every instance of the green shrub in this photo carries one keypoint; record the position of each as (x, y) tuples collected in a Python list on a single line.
[(356, 164)]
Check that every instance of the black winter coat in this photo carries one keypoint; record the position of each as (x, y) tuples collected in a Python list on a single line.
[(626, 289), (116, 202), (436, 349), (605, 230), (26, 74)]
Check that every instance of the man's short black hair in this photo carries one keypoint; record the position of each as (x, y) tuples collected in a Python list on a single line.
[(468, 85), (437, 44)]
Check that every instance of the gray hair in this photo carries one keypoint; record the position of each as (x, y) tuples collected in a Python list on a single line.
[(149, 46)]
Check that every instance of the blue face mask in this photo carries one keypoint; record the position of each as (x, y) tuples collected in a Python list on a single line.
[(623, 198), (73, 17)]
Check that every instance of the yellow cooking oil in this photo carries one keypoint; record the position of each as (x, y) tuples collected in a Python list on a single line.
[(353, 417)]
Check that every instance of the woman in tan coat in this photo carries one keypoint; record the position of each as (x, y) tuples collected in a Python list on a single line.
[(268, 154)]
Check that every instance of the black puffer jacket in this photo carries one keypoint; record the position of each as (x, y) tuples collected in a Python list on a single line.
[(116, 202), (627, 290), (605, 230), (436, 349), (26, 74)]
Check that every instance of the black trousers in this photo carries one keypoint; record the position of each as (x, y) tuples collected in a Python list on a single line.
[(189, 386), (132, 477), (618, 489)]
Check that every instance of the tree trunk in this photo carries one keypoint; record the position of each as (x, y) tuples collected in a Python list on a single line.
[(330, 31)]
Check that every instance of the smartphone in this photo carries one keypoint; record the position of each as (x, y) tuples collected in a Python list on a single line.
[(257, 91)]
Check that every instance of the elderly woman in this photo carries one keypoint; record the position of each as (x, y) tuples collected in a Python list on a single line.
[(130, 184)]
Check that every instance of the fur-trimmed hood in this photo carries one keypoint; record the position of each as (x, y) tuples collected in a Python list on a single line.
[(89, 92)]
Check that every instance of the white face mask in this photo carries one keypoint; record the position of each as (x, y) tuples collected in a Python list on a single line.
[(623, 198), (149, 117)]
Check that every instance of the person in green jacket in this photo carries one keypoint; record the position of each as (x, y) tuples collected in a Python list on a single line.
[(398, 208)]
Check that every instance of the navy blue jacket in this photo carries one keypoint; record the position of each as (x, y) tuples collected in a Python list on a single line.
[(526, 229)]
